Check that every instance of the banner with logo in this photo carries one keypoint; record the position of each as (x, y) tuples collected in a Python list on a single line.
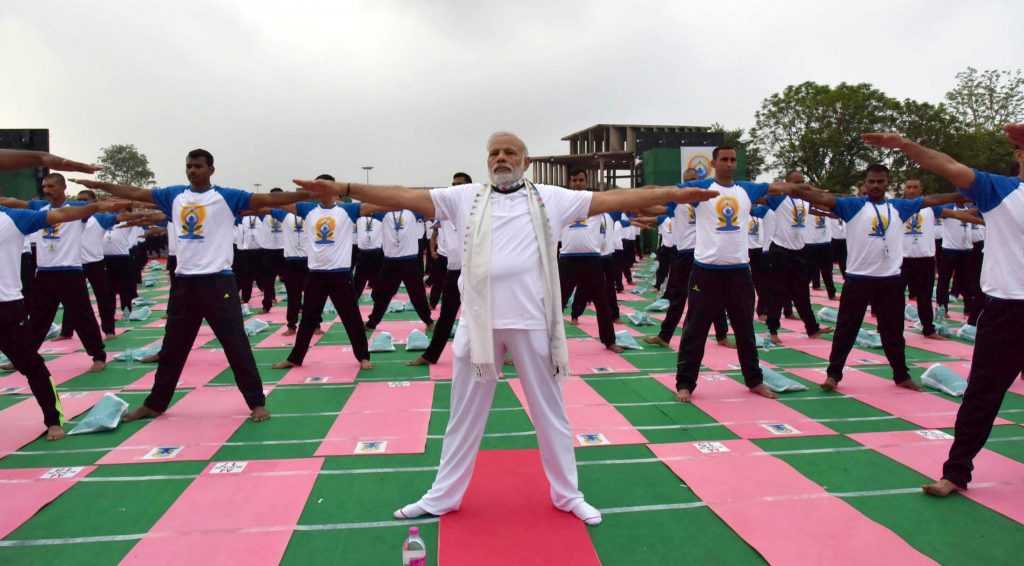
[(698, 158)]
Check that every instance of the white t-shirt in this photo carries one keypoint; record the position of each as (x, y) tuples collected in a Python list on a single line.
[(977, 233), (59, 247), (684, 226), (369, 235), (270, 236), (754, 227), (818, 232), (956, 234), (329, 234), (15, 225), (449, 235), (1001, 203), (248, 236), (172, 240), (586, 236), (516, 276), (874, 234), (919, 234), (790, 221), (93, 235), (292, 233), (401, 234), (205, 225), (118, 241), (837, 228), (665, 231), (722, 224), (767, 228), (618, 234)]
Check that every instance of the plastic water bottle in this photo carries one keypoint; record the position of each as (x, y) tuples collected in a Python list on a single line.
[(414, 550)]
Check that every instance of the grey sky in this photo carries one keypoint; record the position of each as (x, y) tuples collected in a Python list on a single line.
[(283, 89)]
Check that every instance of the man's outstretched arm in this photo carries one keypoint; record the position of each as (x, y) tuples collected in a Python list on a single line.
[(818, 197), (641, 199), (942, 198), (390, 197), (277, 200), (20, 159), (72, 213), (121, 191), (929, 159)]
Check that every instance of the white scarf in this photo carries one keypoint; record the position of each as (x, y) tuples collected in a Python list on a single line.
[(477, 284)]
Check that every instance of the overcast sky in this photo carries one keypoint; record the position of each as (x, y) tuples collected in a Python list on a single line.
[(282, 89)]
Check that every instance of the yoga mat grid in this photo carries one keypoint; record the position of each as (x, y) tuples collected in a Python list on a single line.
[(118, 504)]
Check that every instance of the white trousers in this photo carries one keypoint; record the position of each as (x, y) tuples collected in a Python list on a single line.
[(471, 403)]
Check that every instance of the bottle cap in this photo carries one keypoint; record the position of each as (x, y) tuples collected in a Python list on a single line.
[(415, 531)]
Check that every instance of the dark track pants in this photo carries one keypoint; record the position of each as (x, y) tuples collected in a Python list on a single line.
[(96, 275), (393, 273), (676, 292), (336, 285), (66, 287), (886, 298), (121, 272), (451, 300), (919, 277), (19, 349), (296, 271), (585, 274), (368, 270), (787, 279), (819, 266)]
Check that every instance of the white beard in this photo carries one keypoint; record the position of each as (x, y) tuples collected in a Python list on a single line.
[(506, 179)]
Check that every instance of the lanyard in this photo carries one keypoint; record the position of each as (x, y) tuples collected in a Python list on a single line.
[(883, 228), (398, 220)]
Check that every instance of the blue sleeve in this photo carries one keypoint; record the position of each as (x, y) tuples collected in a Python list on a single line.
[(418, 216), (754, 190), (759, 211), (662, 218), (907, 207), (278, 214), (698, 184), (164, 198), (304, 208), (670, 208), (773, 201), (106, 220), (27, 221), (616, 216), (237, 200), (36, 204), (989, 190), (378, 216), (353, 208), (848, 207), (937, 211)]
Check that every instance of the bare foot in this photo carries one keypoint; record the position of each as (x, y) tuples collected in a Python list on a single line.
[(683, 395), (109, 336), (318, 332), (792, 316), (289, 332), (830, 384), (284, 364), (54, 432), (143, 412), (430, 327), (775, 339), (764, 391), (725, 344), (615, 348), (365, 364), (762, 317), (419, 361), (61, 339), (259, 414), (574, 322), (908, 384), (97, 366), (821, 330), (151, 359), (656, 340), (941, 488), (7, 366), (933, 336)]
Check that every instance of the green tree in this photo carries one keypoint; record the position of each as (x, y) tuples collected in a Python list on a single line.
[(125, 164), (987, 100), (816, 128), (735, 138)]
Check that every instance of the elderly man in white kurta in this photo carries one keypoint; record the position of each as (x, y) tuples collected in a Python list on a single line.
[(511, 303)]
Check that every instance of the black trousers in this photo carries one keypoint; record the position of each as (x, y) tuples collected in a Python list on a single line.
[(213, 298), (24, 354), (839, 254), (787, 279), (247, 264), (52, 288), (974, 269), (121, 272), (439, 271), (296, 271), (451, 300), (664, 255), (998, 360), (756, 258), (919, 276), (96, 275), (676, 292), (628, 259), (819, 265), (336, 285), (271, 267), (28, 273), (393, 273), (711, 292), (608, 266), (585, 274), (368, 270), (138, 254), (959, 264), (885, 295), (172, 266)]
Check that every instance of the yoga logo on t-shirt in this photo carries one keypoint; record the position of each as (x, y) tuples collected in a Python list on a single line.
[(878, 227), (799, 216), (325, 231), (691, 214), (754, 227), (193, 219), (275, 225), (914, 225), (819, 222), (727, 209), (52, 232)]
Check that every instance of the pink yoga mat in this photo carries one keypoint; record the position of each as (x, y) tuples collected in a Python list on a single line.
[(202, 367), (324, 364), (747, 414), (823, 348), (50, 347), (589, 325), (194, 428), (481, 531), (593, 420), (22, 422), (921, 408), (443, 370), (786, 517), (963, 369), (62, 370), (946, 346), (277, 315), (382, 418), (588, 356), (26, 491), (399, 329), (231, 517), (278, 340), (926, 454)]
